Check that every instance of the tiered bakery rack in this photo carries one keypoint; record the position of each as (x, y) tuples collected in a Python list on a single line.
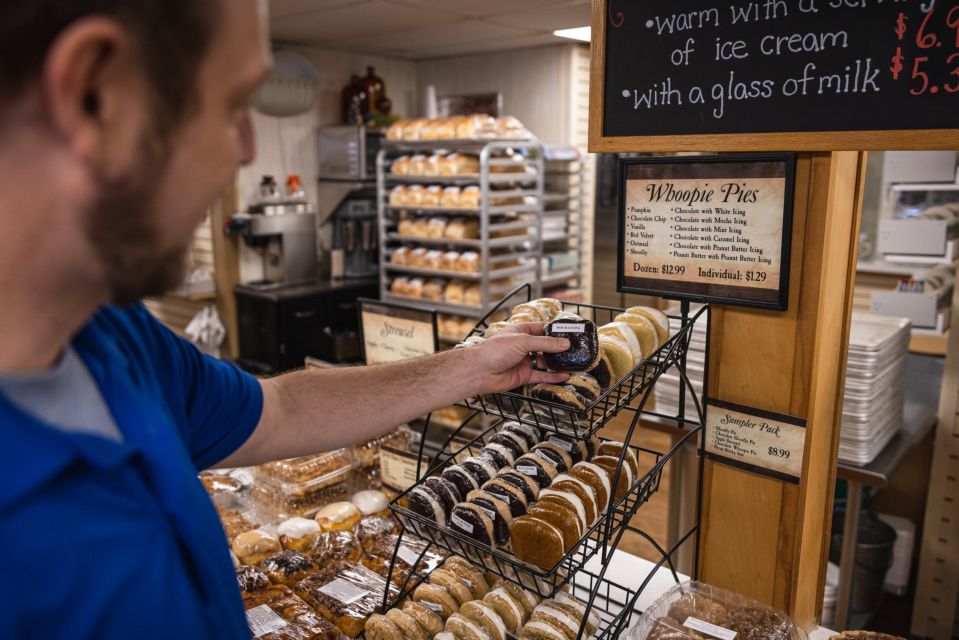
[(563, 201), (493, 247), (616, 604)]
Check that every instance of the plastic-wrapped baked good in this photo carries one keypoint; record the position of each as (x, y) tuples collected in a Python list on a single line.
[(436, 227), (379, 627), (400, 166), (254, 546), (309, 473), (216, 483), (583, 353), (537, 542), (461, 228), (374, 529), (433, 289), (563, 518), (370, 501), (252, 579), (335, 546), (346, 597), (474, 578), (436, 599), (398, 196), (277, 613), (377, 556), (509, 610), (468, 262), (234, 523), (288, 567), (338, 516), (430, 621), (659, 319), (431, 196), (626, 478), (472, 294), (684, 611)]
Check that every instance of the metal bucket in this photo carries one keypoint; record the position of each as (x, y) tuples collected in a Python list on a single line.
[(873, 558)]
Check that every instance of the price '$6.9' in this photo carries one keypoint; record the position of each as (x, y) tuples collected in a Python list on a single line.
[(929, 43)]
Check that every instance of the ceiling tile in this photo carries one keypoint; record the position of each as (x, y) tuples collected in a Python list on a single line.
[(506, 44), (368, 18), (287, 8), (479, 8), (575, 13), (462, 32)]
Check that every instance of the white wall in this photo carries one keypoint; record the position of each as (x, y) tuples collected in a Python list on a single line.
[(288, 145), (534, 83)]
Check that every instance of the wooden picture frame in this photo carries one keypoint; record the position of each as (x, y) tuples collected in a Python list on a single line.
[(707, 292), (912, 139)]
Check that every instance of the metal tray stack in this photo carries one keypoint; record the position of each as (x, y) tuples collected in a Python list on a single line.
[(666, 391), (872, 407)]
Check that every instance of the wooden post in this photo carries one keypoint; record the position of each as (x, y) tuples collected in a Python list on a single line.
[(763, 537), (226, 268)]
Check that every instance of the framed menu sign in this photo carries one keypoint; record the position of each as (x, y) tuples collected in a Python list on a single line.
[(390, 332), (707, 228)]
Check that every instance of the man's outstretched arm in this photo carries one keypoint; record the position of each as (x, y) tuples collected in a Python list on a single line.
[(310, 411)]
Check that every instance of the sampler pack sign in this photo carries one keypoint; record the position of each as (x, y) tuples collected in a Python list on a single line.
[(768, 66), (707, 228)]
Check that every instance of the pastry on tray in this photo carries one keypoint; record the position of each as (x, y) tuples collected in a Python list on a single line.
[(288, 567)]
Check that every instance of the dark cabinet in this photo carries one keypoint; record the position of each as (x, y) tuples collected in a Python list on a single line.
[(279, 328)]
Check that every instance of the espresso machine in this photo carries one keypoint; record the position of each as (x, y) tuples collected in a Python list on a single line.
[(296, 233)]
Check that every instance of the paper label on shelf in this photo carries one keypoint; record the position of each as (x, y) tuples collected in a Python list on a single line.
[(566, 444), (710, 629), (393, 333), (527, 470), (343, 591), (407, 555), (263, 620), (397, 470), (567, 327), (462, 524), (754, 439)]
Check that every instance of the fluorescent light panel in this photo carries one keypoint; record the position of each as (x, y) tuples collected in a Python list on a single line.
[(577, 33)]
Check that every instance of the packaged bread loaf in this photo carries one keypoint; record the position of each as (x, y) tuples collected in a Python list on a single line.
[(398, 196), (401, 166), (450, 197), (432, 196)]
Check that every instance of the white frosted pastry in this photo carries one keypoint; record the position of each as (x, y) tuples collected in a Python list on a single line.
[(659, 319), (625, 333), (296, 528), (370, 502)]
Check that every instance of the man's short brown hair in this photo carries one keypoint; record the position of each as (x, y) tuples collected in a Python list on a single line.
[(172, 35)]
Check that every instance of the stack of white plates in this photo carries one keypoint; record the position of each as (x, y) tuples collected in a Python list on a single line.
[(872, 406)]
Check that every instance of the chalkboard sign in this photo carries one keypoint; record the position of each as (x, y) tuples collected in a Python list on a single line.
[(708, 68), (707, 228)]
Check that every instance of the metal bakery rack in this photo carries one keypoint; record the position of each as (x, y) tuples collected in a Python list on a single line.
[(616, 604), (509, 216)]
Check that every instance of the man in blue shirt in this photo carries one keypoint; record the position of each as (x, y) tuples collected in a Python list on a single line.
[(120, 122)]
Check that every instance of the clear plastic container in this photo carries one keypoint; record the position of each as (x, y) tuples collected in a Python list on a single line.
[(276, 613), (306, 475), (694, 611), (345, 596)]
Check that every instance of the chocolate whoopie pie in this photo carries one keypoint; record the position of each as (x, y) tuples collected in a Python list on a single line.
[(563, 394), (513, 496), (583, 353), (586, 385), (446, 490), (471, 520), (531, 434), (515, 442), (462, 479), (526, 484), (424, 501), (555, 454), (534, 466), (481, 468), (501, 456), (498, 510), (603, 371), (574, 447)]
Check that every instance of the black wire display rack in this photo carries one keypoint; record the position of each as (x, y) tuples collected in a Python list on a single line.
[(579, 423), (616, 604)]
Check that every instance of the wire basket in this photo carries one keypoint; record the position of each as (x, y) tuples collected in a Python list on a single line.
[(544, 582), (580, 423)]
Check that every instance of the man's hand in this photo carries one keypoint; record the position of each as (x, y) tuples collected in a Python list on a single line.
[(503, 362)]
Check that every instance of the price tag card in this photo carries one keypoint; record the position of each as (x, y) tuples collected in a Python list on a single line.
[(391, 332), (756, 440), (709, 228)]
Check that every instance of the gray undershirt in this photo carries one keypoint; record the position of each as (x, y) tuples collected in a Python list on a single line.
[(65, 396)]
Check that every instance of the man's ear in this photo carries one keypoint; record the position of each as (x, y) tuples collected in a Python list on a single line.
[(91, 87)]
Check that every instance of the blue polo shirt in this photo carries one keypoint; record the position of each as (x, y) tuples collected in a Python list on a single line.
[(105, 539)]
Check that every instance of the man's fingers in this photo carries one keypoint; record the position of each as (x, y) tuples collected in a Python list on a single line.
[(543, 344), (527, 328), (550, 377)]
